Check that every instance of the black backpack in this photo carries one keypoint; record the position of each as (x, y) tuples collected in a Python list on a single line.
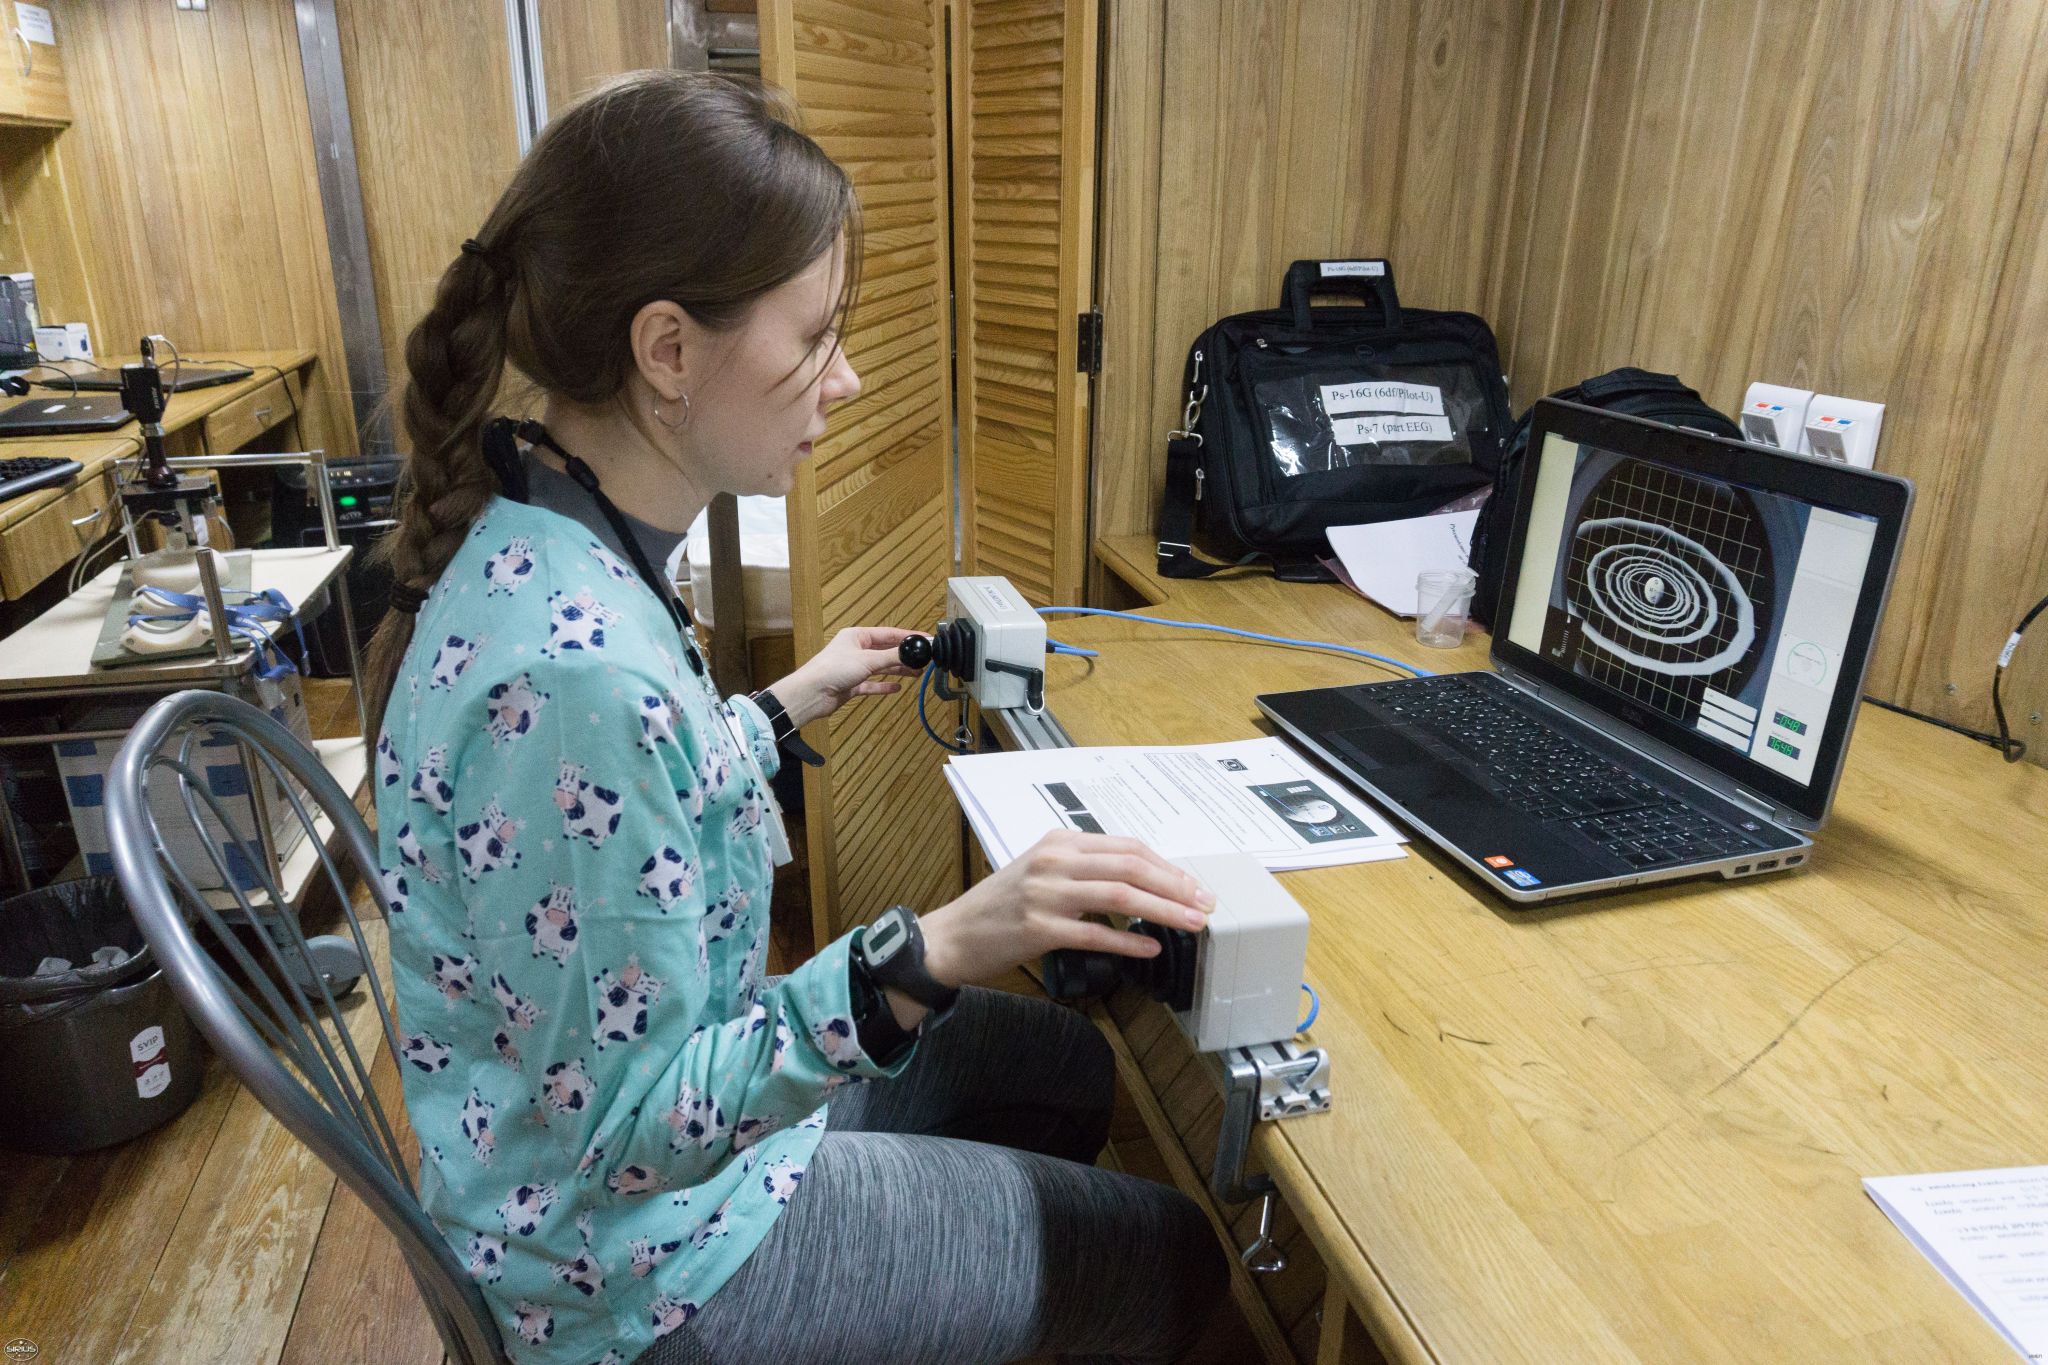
[(1635, 393), (1298, 419)]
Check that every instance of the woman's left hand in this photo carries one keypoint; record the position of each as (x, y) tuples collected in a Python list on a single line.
[(855, 663)]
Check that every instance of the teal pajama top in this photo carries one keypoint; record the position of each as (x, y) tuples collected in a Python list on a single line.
[(611, 1107)]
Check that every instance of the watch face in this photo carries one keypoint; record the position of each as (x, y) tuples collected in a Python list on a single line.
[(883, 938)]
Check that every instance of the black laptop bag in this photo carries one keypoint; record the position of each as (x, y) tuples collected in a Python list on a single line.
[(1633, 392), (1301, 418)]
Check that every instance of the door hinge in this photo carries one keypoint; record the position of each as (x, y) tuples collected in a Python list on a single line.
[(1088, 342)]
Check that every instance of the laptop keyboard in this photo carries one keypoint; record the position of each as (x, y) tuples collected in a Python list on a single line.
[(1541, 768)]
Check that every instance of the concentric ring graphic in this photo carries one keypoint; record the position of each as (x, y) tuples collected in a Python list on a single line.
[(1644, 582)]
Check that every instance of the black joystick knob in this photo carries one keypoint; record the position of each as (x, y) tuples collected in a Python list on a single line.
[(950, 646)]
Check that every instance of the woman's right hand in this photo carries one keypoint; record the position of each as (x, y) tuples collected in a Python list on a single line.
[(1035, 904)]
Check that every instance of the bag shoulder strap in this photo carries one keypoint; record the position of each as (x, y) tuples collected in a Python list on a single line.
[(1177, 510)]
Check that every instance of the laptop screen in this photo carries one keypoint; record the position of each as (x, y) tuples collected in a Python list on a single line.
[(1726, 615)]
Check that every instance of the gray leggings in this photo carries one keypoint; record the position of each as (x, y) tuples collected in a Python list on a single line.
[(949, 1218)]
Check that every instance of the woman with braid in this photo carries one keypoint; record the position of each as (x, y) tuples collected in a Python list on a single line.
[(641, 1147)]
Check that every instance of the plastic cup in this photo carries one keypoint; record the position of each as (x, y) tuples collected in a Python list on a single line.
[(1443, 605)]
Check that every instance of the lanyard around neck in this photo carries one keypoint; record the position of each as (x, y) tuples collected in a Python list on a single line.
[(503, 456)]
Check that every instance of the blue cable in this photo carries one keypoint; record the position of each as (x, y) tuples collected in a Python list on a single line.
[(244, 621), (1247, 634), (923, 685), (1315, 1006), (1053, 646)]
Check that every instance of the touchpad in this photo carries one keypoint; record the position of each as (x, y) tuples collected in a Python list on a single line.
[(1402, 768), (1373, 747)]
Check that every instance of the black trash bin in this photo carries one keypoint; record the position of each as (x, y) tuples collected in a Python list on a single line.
[(97, 1054)]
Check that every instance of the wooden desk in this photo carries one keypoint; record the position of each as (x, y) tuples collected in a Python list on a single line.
[(218, 418), (1633, 1129), (40, 532)]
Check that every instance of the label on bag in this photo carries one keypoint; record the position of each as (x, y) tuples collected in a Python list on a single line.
[(1377, 430), (1382, 395), (1372, 270), (152, 1064)]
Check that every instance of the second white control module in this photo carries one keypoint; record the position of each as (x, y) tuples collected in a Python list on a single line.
[(1003, 643)]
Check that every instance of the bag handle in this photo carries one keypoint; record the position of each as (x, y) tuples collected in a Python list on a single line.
[(1369, 280)]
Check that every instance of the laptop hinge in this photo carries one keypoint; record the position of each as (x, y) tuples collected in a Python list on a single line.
[(1754, 805)]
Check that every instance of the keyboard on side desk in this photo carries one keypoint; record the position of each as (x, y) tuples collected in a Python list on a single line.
[(27, 473)]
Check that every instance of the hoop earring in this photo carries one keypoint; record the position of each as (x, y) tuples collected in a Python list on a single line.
[(673, 426)]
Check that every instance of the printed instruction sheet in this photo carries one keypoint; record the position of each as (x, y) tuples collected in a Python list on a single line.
[(1254, 796), (1987, 1232)]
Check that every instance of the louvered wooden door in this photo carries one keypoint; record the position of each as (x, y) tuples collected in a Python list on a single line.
[(1024, 74), (871, 516)]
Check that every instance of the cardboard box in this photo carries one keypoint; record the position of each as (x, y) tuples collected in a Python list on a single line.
[(86, 763)]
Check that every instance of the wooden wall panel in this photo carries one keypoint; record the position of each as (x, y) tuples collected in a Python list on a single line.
[(870, 518), (1024, 79), (1840, 195), (1240, 137), (188, 170), (38, 232), (434, 154), (430, 99), (584, 44)]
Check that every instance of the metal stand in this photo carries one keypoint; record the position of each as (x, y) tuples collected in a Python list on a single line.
[(1269, 1082), (1031, 731), (155, 489), (63, 670)]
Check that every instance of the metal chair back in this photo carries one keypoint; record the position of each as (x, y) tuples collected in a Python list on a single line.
[(274, 1017)]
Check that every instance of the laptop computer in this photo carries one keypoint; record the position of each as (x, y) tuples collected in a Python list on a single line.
[(54, 416), (177, 378), (1678, 657)]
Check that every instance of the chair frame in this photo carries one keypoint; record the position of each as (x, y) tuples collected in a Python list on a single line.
[(330, 1105)]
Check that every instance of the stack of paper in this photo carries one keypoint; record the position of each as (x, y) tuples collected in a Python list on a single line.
[(1253, 796), (1987, 1231)]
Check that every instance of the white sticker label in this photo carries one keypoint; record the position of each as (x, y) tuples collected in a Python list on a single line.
[(1370, 269), (996, 597), (146, 1044), (152, 1066), (34, 23), (1360, 431), (1382, 395)]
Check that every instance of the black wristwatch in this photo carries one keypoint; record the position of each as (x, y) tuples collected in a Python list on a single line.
[(891, 951), (783, 728)]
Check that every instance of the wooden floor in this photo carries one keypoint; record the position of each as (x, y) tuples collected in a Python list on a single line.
[(219, 1238)]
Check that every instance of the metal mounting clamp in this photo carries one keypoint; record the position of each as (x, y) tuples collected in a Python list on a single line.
[(1271, 1081)]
